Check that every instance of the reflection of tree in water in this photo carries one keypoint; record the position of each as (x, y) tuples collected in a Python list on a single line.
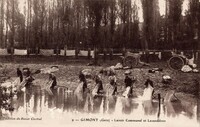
[(88, 106), (150, 108), (69, 102), (25, 100), (36, 101), (169, 109), (1, 101), (19, 101), (75, 101), (198, 109), (32, 92), (97, 100), (50, 100), (80, 101), (128, 105), (60, 98), (109, 104), (188, 108), (176, 108)]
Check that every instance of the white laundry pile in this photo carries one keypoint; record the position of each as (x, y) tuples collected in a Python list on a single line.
[(87, 72), (186, 68), (166, 79), (49, 70), (118, 66), (191, 67)]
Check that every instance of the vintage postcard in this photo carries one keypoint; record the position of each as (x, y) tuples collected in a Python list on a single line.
[(99, 63)]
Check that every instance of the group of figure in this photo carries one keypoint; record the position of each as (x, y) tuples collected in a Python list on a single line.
[(111, 87), (25, 77)]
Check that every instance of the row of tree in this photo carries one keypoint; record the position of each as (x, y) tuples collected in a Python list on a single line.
[(98, 24), (56, 23)]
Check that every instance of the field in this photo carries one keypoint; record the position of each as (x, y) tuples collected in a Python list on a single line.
[(185, 84)]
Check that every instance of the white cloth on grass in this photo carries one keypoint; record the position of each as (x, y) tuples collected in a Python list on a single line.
[(68, 52), (186, 68), (83, 53), (3, 52), (20, 52), (46, 52)]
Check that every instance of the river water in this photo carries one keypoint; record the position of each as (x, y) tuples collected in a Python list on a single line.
[(59, 107)]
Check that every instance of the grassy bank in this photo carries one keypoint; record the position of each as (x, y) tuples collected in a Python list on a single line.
[(183, 83)]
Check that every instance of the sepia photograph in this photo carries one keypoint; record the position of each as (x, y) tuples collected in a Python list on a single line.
[(94, 63)]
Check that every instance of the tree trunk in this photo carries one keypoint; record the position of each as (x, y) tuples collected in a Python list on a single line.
[(95, 55), (2, 23), (6, 38), (146, 50), (104, 54), (13, 29)]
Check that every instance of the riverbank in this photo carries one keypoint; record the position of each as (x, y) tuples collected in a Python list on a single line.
[(67, 76)]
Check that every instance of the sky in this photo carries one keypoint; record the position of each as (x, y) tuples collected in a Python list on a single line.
[(161, 7)]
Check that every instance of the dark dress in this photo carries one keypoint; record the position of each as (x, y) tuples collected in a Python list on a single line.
[(19, 74), (54, 83), (149, 82), (129, 83), (114, 84), (100, 87), (83, 79)]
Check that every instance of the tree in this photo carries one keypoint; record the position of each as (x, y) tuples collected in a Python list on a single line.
[(95, 13), (193, 24), (113, 16), (150, 30), (43, 15), (175, 10), (2, 22), (13, 27), (124, 14), (7, 17), (36, 22)]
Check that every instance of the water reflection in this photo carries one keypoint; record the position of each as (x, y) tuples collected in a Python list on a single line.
[(150, 108), (128, 105), (198, 110), (36, 102), (176, 108)]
